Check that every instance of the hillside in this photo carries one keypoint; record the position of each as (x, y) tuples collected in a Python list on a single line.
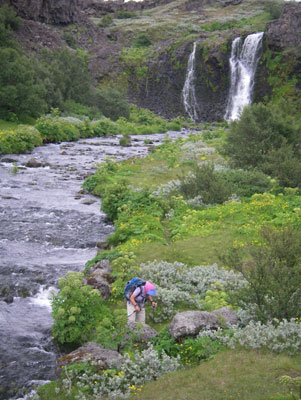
[(143, 48)]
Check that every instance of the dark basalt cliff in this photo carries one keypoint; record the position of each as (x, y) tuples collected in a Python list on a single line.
[(48, 11), (161, 89)]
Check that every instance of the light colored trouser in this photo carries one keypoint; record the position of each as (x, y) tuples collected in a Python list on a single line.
[(133, 315)]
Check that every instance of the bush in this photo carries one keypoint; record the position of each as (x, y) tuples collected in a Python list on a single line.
[(260, 129), (206, 183), (285, 165), (123, 14), (105, 21), (76, 310), (111, 102), (71, 108), (277, 336), (246, 183), (273, 275), (55, 130), (142, 40), (19, 140), (125, 141)]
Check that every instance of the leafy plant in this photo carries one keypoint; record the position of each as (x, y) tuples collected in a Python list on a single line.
[(77, 310), (273, 274)]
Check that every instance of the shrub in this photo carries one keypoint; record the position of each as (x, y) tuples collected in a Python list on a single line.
[(260, 129), (71, 108), (55, 130), (274, 8), (246, 183), (124, 14), (285, 165), (125, 141), (142, 40), (111, 102), (189, 285), (277, 336), (105, 21), (206, 183), (105, 127), (76, 310), (19, 140), (273, 275)]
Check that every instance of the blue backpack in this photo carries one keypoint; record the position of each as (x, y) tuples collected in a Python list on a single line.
[(132, 285)]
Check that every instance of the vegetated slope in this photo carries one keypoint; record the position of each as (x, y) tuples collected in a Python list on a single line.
[(143, 48)]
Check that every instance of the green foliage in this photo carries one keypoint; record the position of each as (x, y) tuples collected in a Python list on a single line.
[(142, 40), (274, 8), (124, 14), (20, 93), (284, 164), (19, 140), (111, 102), (260, 130), (125, 141), (273, 274), (191, 351), (216, 298), (204, 182), (77, 310), (69, 39), (112, 330), (71, 108), (245, 183), (293, 384), (54, 130), (106, 21), (9, 19)]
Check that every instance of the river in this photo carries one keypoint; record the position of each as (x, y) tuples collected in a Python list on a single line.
[(48, 226)]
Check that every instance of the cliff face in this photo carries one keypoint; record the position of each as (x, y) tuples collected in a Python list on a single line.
[(161, 89), (58, 12)]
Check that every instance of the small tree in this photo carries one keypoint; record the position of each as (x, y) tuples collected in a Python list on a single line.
[(273, 274)]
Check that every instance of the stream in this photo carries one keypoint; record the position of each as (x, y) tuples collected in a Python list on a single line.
[(48, 226)]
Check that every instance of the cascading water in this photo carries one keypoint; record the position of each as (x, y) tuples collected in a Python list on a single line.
[(188, 92), (243, 63)]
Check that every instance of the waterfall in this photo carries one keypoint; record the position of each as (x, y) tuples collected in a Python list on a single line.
[(188, 92), (243, 63)]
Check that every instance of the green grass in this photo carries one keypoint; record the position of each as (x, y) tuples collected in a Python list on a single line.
[(231, 375), (4, 125)]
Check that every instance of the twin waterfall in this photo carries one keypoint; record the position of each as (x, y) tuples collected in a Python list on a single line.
[(243, 63)]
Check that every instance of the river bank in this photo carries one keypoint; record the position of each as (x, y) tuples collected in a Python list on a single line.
[(48, 226)]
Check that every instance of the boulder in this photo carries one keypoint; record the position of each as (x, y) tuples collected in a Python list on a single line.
[(190, 323), (91, 352), (226, 316), (33, 163), (142, 332), (286, 31), (100, 278)]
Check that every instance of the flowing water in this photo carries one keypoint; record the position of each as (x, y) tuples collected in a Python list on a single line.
[(188, 92), (243, 63), (48, 226)]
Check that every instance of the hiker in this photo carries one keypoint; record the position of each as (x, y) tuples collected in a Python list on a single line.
[(135, 302)]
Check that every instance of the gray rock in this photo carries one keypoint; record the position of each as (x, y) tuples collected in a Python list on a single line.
[(286, 31), (100, 278), (189, 323), (91, 352), (226, 316), (142, 332), (33, 163)]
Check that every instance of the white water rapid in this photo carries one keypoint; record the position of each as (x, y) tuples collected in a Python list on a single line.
[(243, 63), (188, 92)]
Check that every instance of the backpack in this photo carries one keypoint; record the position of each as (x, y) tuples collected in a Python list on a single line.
[(132, 285)]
